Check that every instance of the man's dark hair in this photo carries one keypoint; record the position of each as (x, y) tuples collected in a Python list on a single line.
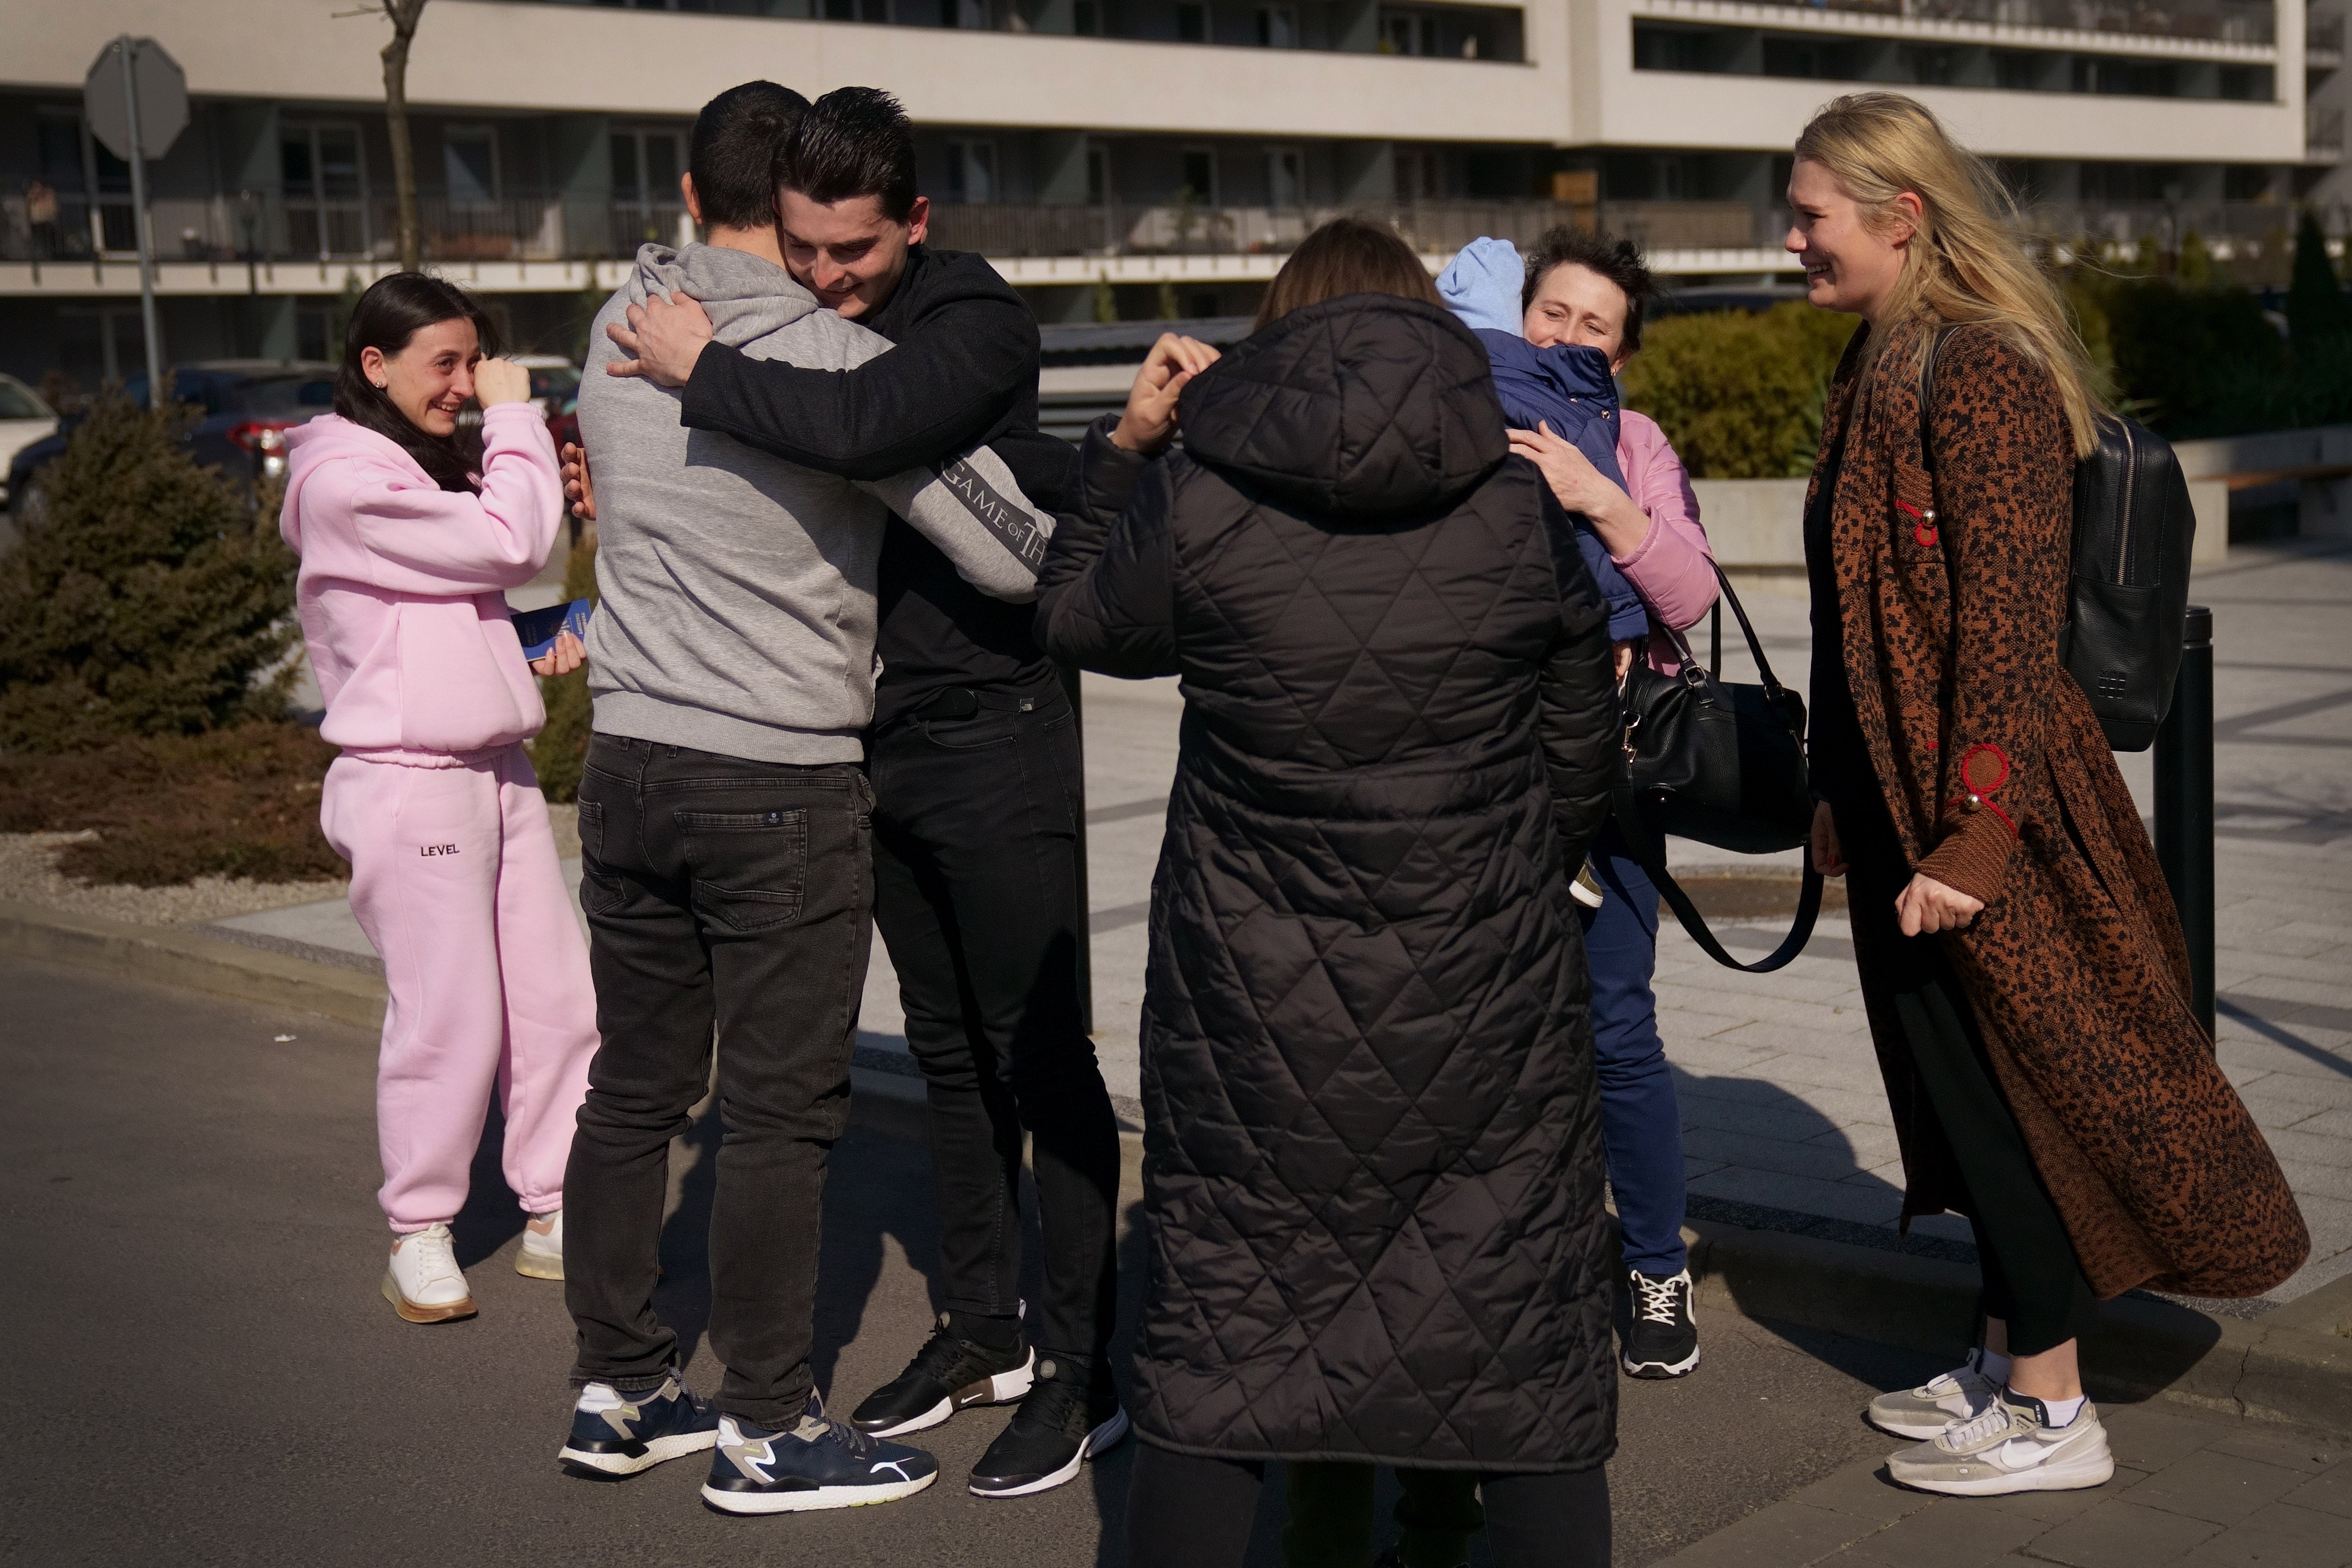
[(1618, 261), (736, 140), (852, 142)]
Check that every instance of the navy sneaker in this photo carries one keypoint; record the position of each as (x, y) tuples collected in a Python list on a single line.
[(615, 1433), (814, 1463)]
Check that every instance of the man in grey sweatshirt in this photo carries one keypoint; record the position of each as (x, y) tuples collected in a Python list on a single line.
[(726, 850)]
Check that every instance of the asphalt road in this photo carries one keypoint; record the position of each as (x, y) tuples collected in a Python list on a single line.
[(191, 1251)]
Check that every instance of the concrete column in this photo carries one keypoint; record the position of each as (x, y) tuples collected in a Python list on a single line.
[(580, 167)]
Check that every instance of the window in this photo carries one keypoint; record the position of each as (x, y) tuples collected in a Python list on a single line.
[(326, 187), (1192, 23), (469, 162), (1097, 176), (1420, 176), (1286, 177), (972, 172), (1085, 17), (2247, 82), (859, 11), (646, 202), (1277, 28), (1199, 168), (1410, 33), (2246, 182), (1808, 58)]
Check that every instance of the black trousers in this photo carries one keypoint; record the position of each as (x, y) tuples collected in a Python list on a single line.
[(975, 871), (1187, 1512), (727, 898), (2032, 1280)]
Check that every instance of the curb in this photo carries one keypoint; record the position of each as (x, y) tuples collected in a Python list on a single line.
[(2292, 1364)]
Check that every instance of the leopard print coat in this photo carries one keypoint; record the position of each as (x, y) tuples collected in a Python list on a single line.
[(1952, 592)]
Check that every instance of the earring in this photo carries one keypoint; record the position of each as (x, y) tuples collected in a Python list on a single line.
[(377, 385)]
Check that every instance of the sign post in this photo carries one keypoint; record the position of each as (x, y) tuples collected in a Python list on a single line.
[(135, 101)]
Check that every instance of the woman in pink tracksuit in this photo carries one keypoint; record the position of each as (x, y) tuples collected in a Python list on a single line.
[(409, 537)]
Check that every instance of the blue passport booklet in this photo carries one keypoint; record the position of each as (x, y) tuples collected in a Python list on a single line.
[(538, 629)]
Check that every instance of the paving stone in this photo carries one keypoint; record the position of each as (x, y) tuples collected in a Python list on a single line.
[(1775, 1190), (2146, 1438), (2121, 1533), (2278, 1537), (2220, 1488), (2329, 1492), (1947, 1536), (1864, 1491), (2310, 1455), (1786, 1535), (1825, 1161)]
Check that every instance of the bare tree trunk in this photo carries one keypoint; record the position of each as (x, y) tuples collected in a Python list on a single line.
[(404, 15)]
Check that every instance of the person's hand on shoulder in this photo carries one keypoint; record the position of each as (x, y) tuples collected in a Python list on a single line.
[(1150, 421), (578, 489), (663, 339), (499, 380)]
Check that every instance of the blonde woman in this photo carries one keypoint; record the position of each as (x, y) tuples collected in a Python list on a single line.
[(2022, 963)]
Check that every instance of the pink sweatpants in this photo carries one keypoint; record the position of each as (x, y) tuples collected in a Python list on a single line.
[(454, 879)]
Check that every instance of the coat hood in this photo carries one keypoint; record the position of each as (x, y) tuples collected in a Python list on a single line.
[(1369, 404), (746, 297), (322, 440)]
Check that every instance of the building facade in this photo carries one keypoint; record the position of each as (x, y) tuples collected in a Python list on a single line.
[(1135, 157)]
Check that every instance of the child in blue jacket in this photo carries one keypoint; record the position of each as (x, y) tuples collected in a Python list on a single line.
[(1567, 387)]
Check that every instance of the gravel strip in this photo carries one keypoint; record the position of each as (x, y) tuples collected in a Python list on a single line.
[(28, 874)]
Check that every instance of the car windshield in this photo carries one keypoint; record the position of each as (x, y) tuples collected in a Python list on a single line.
[(281, 396), (18, 403), (558, 381)]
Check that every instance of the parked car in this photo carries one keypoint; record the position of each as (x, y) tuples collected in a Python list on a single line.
[(24, 420), (248, 405)]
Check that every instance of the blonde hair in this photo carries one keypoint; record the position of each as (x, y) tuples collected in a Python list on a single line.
[(1966, 262)]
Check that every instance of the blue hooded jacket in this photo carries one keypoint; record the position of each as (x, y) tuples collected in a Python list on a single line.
[(1567, 387)]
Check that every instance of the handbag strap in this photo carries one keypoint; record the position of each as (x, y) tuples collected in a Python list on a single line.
[(1651, 855)]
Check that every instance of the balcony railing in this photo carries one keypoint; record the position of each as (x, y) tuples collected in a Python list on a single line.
[(2323, 37), (2226, 21)]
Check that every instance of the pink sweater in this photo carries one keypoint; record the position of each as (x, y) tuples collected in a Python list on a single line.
[(402, 592), (1673, 569)]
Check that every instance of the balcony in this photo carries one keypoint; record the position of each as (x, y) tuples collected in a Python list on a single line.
[(2322, 42), (2323, 134), (2221, 21)]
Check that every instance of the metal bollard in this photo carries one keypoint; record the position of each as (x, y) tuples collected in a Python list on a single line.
[(1086, 899), (2184, 805)]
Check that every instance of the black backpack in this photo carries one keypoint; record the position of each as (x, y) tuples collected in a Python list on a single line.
[(2127, 596)]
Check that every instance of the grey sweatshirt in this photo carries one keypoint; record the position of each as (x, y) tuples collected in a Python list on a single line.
[(737, 610)]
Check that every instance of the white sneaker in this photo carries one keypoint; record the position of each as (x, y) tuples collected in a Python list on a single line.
[(423, 1282), (2010, 1449), (1962, 1394), (542, 1257)]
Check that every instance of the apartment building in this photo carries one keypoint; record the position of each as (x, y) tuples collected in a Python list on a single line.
[(1133, 157)]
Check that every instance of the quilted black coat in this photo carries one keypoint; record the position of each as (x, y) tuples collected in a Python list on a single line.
[(1373, 1162)]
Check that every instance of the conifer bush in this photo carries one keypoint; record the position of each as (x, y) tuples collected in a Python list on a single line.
[(560, 750), (145, 597)]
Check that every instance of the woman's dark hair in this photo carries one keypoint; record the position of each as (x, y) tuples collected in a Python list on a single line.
[(738, 137), (1346, 256), (1598, 251), (389, 313), (852, 142)]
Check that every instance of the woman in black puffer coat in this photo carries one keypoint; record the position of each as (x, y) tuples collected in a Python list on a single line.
[(1372, 1163)]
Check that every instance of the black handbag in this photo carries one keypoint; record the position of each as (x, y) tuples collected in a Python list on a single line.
[(1722, 764)]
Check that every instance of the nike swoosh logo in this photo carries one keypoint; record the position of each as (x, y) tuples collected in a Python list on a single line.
[(2020, 1452)]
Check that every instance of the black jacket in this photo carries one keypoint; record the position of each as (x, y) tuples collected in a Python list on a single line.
[(964, 373), (1373, 1162)]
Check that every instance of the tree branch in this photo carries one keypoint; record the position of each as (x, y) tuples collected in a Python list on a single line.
[(404, 15)]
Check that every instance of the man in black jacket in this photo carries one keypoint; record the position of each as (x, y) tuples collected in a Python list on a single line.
[(976, 768)]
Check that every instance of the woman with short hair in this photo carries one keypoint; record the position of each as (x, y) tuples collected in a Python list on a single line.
[(1371, 1157), (2021, 960)]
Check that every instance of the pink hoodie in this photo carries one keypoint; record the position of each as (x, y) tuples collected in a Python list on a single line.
[(1673, 570), (402, 587)]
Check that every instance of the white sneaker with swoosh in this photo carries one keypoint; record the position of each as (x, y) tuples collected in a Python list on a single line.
[(2010, 1449)]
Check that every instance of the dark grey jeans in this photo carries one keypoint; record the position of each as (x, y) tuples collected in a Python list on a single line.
[(735, 898)]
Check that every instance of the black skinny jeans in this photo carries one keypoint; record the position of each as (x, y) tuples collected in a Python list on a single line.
[(975, 869), (2032, 1280), (736, 895), (1185, 1511)]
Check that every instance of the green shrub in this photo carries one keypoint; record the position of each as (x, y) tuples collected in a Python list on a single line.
[(2318, 311), (560, 750), (1740, 395), (2192, 361), (146, 596)]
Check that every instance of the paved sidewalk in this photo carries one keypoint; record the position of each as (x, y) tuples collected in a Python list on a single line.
[(2200, 1494)]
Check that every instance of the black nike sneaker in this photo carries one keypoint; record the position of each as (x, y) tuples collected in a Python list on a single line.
[(1071, 1415), (949, 1373), (615, 1433), (816, 1462), (1664, 1338)]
